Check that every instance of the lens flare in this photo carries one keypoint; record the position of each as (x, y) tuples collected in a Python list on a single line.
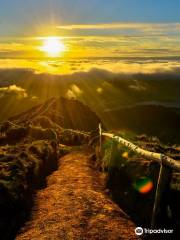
[(143, 185), (125, 155)]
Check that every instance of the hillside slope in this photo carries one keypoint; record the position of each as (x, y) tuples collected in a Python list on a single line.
[(154, 120), (66, 113)]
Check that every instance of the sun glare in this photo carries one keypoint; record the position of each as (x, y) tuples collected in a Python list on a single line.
[(53, 46)]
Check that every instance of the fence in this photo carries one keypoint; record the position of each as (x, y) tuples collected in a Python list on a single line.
[(167, 164)]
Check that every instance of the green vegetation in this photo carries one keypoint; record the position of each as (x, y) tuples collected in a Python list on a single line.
[(175, 183), (73, 138), (127, 134), (111, 154), (39, 133), (115, 155), (43, 122), (23, 165)]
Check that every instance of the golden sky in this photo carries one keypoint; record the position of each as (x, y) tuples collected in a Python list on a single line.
[(105, 40), (51, 48)]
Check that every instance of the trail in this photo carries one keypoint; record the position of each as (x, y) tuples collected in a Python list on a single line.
[(74, 206)]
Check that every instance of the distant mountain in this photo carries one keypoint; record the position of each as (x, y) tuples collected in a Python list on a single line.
[(156, 120), (149, 118), (66, 113)]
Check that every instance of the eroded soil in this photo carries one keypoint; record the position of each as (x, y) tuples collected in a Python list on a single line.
[(74, 205)]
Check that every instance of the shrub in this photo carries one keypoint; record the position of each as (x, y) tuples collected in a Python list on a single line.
[(73, 138), (22, 168), (43, 122), (39, 133), (16, 133)]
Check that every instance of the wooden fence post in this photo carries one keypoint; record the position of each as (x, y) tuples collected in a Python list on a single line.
[(162, 188), (100, 137)]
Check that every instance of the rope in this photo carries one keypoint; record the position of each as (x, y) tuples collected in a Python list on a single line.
[(157, 157)]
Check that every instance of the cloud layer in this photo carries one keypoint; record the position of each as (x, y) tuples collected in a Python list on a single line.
[(145, 28), (115, 65), (13, 90)]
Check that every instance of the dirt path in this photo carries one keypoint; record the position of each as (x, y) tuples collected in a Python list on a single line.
[(74, 206)]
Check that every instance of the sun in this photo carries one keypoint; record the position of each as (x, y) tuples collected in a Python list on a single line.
[(53, 46)]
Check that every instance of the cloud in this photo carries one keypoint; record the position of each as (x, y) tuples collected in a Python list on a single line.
[(96, 71), (120, 25), (137, 86), (13, 90), (74, 92), (6, 47), (130, 65), (105, 40), (70, 94), (153, 28)]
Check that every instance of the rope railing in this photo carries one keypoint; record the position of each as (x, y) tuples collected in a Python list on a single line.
[(78, 132), (157, 157), (167, 164)]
